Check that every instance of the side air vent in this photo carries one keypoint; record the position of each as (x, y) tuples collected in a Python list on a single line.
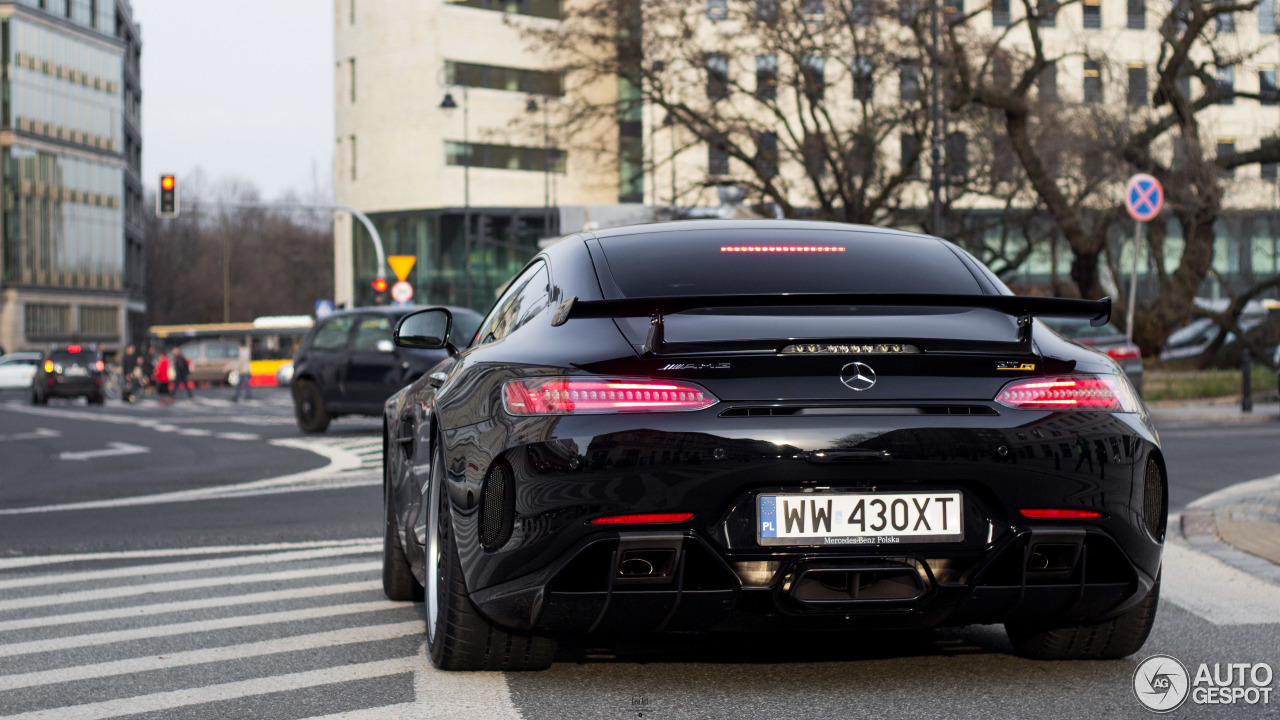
[(1153, 502), (847, 410), (497, 507)]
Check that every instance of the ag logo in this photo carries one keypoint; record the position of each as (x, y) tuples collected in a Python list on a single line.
[(858, 376), (1161, 683)]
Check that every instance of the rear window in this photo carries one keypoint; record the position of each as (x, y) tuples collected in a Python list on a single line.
[(748, 262), (62, 357)]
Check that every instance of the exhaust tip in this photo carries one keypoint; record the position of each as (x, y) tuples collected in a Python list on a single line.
[(635, 567)]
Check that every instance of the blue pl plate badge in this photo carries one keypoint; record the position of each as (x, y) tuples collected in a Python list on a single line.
[(768, 517)]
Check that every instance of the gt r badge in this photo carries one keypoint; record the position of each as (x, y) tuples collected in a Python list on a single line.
[(858, 376)]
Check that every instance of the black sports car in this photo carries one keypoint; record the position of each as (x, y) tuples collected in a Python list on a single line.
[(757, 425)]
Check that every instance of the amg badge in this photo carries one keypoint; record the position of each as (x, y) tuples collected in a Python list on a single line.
[(696, 366)]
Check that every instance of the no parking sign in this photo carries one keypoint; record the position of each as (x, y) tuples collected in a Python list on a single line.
[(1143, 197)]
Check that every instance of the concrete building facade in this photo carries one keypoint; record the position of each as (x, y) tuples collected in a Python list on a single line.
[(70, 146)]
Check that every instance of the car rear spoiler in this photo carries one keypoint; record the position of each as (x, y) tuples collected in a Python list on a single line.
[(1022, 307)]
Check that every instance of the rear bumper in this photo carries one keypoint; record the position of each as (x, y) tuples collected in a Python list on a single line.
[(1036, 573), (73, 388)]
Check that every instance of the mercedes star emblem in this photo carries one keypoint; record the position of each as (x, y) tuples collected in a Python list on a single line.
[(858, 376)]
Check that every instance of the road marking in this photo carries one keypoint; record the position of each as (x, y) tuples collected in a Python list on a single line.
[(334, 638), (205, 603), (122, 591), (190, 566), (340, 460), (238, 436), (1214, 590), (37, 434), (198, 626), (113, 449), (46, 560), (226, 691)]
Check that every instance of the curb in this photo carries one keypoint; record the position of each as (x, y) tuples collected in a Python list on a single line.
[(1199, 525)]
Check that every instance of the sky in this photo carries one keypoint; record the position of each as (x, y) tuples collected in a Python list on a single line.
[(241, 89)]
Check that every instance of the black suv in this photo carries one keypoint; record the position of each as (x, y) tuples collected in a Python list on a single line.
[(348, 365), (69, 371)]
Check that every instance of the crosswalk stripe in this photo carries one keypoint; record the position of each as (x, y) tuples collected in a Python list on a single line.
[(401, 711), (226, 691), (154, 631), (192, 566), (122, 591), (46, 560), (347, 636), (151, 609)]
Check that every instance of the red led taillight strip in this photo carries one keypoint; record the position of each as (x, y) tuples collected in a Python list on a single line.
[(643, 519), (781, 248), (1059, 514), (570, 396)]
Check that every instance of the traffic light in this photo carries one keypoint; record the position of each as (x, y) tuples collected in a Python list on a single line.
[(380, 291), (167, 199)]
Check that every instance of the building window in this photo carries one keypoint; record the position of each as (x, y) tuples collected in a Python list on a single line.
[(536, 8), (1269, 168), (1226, 85), (1267, 17), (351, 64), (957, 161), (860, 12), (99, 321), (767, 154), (353, 156), (864, 82), (1092, 81), (908, 80), (1048, 82), (1224, 22), (717, 10), (505, 157), (1184, 86), (909, 158), (952, 10), (717, 157), (813, 9), (717, 76), (1092, 14), (1047, 10), (908, 10), (1226, 148), (494, 77), (767, 11), (1137, 15), (766, 77), (814, 76), (1138, 84), (1267, 86), (1000, 13), (47, 321)]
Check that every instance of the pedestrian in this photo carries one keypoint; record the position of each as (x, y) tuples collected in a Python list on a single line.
[(244, 362), (128, 361), (149, 370), (163, 376), (181, 374)]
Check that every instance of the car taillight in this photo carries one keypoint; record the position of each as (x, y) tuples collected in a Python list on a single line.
[(643, 519), (574, 396), (48, 366), (1059, 514), (1124, 352), (1069, 392), (100, 366)]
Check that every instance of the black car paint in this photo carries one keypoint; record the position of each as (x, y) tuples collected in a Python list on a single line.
[(60, 383), (570, 469)]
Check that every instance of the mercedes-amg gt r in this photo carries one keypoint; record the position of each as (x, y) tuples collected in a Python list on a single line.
[(716, 426)]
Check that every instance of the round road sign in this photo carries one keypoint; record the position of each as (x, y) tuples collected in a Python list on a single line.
[(1143, 197), (402, 292)]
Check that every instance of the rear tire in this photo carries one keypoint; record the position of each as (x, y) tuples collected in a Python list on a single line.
[(398, 581), (95, 399), (1117, 637), (459, 637), (308, 407)]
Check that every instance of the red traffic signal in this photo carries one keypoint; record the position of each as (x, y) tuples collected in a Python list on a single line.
[(380, 285), (167, 198)]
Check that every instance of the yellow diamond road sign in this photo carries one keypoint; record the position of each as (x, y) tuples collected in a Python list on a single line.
[(401, 265)]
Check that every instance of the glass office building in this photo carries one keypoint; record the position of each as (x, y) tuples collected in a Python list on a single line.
[(70, 155)]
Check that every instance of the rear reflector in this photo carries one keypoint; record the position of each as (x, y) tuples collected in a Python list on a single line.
[(642, 519), (1072, 392), (573, 396), (1125, 352), (781, 249), (1059, 514)]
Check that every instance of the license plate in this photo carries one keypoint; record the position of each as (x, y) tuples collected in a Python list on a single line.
[(859, 518), (75, 371)]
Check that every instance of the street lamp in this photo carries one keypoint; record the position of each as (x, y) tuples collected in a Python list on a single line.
[(532, 108), (448, 104)]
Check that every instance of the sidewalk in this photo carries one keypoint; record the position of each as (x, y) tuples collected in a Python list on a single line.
[(1219, 410), (1239, 525)]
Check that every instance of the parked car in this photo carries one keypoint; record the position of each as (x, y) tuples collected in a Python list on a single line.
[(213, 361), (348, 365), (17, 370), (1193, 338), (69, 371), (768, 426), (1106, 338)]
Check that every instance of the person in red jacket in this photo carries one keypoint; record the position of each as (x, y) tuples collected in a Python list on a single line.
[(163, 376)]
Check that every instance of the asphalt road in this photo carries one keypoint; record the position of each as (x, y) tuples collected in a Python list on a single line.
[(231, 570)]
